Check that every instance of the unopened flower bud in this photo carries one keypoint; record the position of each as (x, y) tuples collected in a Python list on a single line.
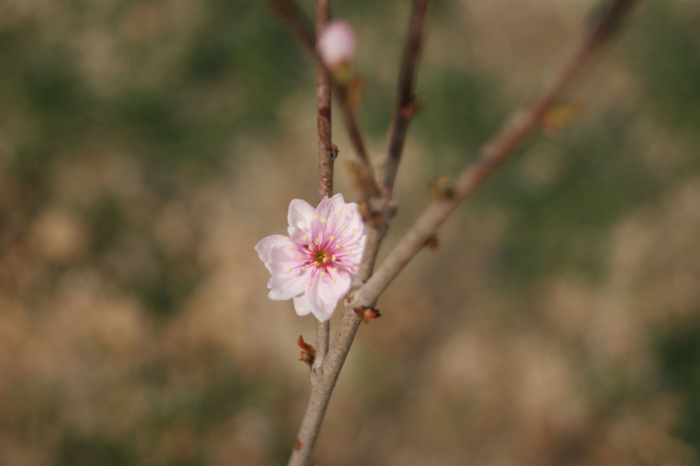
[(336, 44)]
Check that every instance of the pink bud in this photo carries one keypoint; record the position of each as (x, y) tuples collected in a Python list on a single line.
[(336, 44)]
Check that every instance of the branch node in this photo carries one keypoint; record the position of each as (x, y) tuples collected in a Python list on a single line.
[(367, 313), (362, 177), (414, 106), (308, 353), (560, 115), (372, 214), (432, 243), (441, 188), (353, 92)]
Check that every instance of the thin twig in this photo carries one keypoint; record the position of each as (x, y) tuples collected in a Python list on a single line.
[(521, 125), (405, 98), (288, 11), (323, 110), (518, 128), (311, 424), (322, 386), (326, 156)]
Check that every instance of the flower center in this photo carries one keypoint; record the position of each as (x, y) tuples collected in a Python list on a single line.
[(321, 257)]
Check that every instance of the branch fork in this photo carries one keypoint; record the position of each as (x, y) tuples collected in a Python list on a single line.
[(377, 205)]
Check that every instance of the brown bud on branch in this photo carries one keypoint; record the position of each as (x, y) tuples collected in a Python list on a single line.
[(441, 188), (367, 313), (308, 353)]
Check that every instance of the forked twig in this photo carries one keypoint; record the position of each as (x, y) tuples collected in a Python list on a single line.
[(519, 127), (288, 11), (323, 386)]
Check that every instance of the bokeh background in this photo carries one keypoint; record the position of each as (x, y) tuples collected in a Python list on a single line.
[(147, 145)]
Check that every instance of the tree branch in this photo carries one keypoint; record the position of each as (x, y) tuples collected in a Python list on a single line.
[(311, 423), (521, 125), (323, 109), (326, 157), (289, 12), (518, 128), (404, 105)]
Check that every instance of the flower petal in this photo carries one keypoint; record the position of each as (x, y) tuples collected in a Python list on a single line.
[(334, 286), (328, 206), (323, 310), (300, 214), (266, 245), (301, 306), (286, 288)]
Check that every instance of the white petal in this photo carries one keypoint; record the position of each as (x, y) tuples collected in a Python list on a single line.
[(284, 270), (286, 288), (301, 306), (281, 252), (323, 310), (300, 214), (327, 207), (355, 222), (334, 287), (266, 245)]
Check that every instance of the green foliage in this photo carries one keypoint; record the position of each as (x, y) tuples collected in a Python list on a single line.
[(667, 53), (89, 451), (679, 353)]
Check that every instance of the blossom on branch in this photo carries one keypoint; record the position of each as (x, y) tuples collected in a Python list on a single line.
[(336, 44), (316, 263)]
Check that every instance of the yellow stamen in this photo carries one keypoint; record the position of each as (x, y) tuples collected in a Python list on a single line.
[(306, 237), (323, 274), (323, 220), (318, 240), (315, 216), (303, 268), (340, 212), (337, 246), (354, 230), (335, 269), (286, 238), (334, 280), (344, 227), (332, 238)]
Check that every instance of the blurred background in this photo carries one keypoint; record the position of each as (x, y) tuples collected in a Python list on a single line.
[(147, 145)]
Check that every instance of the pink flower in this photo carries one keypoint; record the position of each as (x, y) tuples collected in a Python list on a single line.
[(336, 44), (316, 263)]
